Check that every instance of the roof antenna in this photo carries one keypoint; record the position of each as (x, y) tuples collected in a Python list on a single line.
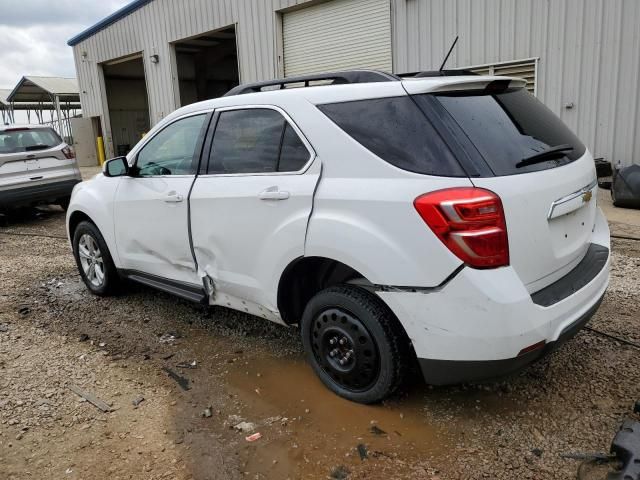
[(449, 53)]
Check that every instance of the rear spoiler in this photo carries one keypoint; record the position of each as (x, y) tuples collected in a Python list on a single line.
[(460, 84)]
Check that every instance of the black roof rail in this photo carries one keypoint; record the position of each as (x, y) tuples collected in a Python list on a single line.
[(437, 73), (336, 78)]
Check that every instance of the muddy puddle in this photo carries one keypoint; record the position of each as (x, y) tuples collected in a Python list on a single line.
[(323, 429), (306, 430)]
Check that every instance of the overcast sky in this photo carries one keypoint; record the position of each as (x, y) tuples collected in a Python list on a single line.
[(34, 35)]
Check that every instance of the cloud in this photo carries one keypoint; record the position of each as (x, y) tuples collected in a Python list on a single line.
[(34, 34)]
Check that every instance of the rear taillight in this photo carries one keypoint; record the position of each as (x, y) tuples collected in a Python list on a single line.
[(69, 153), (470, 222)]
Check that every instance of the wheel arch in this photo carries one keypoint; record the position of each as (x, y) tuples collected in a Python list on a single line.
[(306, 276), (75, 218)]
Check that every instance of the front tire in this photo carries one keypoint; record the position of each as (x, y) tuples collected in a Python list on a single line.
[(355, 344), (94, 261)]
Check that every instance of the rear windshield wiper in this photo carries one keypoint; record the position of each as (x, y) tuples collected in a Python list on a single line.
[(32, 148), (550, 153)]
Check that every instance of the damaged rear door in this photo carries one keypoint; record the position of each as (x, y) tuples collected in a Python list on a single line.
[(251, 205)]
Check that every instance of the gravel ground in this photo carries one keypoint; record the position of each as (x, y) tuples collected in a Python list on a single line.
[(54, 335)]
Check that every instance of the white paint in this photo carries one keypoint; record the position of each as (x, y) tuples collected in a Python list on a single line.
[(489, 314), (351, 206)]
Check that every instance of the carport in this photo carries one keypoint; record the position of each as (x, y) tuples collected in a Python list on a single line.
[(59, 97)]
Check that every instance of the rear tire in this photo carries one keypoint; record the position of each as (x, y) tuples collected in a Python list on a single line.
[(96, 267), (64, 203), (355, 344)]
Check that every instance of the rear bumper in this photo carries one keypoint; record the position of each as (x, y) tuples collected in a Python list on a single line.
[(478, 324), (32, 194), (448, 372)]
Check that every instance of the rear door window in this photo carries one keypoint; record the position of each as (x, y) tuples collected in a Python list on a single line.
[(509, 127), (294, 154), (255, 140), (398, 132)]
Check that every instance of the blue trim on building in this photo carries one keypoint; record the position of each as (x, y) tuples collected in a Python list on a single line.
[(110, 20)]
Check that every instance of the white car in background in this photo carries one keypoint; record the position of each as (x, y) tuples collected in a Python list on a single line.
[(450, 220), (36, 167)]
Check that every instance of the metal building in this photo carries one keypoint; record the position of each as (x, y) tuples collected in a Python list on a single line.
[(581, 57)]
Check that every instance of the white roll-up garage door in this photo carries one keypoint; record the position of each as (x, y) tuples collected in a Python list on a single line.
[(338, 35)]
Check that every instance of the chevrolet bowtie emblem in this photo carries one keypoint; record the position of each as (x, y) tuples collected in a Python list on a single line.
[(586, 196)]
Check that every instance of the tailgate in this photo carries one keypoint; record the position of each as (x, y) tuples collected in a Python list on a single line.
[(550, 218)]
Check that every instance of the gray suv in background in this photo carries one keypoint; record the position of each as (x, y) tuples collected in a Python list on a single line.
[(36, 167)]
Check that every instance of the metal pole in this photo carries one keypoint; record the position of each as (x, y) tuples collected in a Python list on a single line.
[(60, 121)]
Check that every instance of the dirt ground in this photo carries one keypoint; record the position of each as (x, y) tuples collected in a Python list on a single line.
[(143, 345)]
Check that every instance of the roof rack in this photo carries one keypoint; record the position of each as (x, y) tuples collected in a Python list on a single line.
[(336, 78)]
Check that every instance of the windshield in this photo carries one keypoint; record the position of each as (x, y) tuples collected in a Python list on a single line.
[(27, 140), (511, 126)]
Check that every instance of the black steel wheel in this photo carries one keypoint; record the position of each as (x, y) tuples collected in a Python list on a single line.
[(345, 350), (355, 344)]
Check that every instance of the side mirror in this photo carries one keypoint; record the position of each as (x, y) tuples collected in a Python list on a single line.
[(116, 167)]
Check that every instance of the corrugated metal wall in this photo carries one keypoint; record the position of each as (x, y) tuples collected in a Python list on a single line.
[(588, 50), (589, 54), (153, 27), (335, 36)]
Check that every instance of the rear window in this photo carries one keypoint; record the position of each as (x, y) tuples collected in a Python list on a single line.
[(509, 127), (397, 131), (28, 140)]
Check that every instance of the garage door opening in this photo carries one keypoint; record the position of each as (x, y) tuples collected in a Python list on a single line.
[(207, 65), (128, 102)]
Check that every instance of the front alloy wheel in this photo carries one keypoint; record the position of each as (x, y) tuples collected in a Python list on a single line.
[(91, 260), (94, 261)]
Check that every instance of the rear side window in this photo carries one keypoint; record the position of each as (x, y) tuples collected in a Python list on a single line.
[(397, 131), (28, 140), (509, 127), (294, 155), (255, 140)]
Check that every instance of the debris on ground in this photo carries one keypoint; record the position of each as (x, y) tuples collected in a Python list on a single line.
[(272, 420), (4, 327), (137, 401), (586, 456), (83, 337), (191, 365), (625, 189), (206, 413), (24, 311), (376, 430), (245, 427), (340, 473), (169, 337), (254, 437), (537, 452), (636, 407), (626, 448), (183, 382), (362, 451), (92, 399)]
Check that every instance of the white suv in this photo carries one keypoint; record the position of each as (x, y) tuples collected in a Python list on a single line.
[(446, 219), (36, 166)]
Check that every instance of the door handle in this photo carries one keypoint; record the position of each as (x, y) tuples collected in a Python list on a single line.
[(173, 198), (273, 194)]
